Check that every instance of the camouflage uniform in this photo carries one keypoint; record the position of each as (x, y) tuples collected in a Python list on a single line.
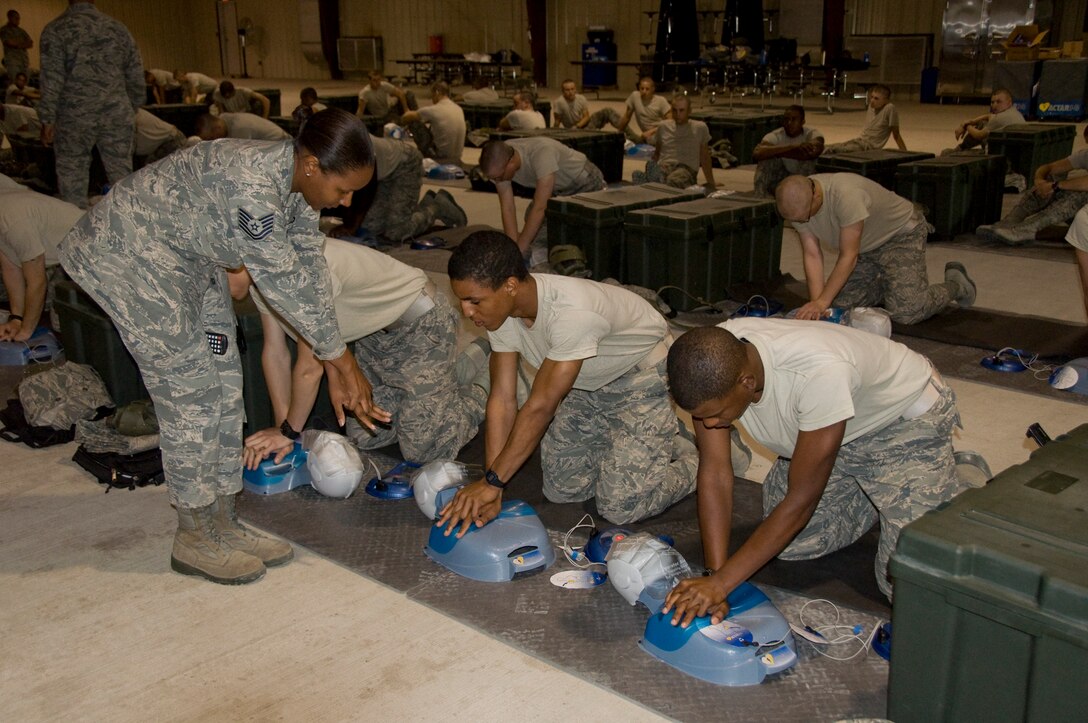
[(893, 275), (396, 211), (1033, 213), (621, 444), (893, 475), (152, 253), (676, 175), (771, 172), (412, 371), (16, 60), (92, 83)]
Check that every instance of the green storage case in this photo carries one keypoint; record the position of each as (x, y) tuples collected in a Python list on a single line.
[(90, 338), (1030, 145), (703, 246), (991, 598), (287, 123), (877, 165), (742, 128), (595, 221), (180, 115), (603, 148), (275, 106), (250, 340), (349, 102), (959, 192)]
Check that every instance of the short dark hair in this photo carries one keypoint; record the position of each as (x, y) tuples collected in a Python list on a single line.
[(307, 92), (704, 363), (441, 87), (1002, 91), (338, 140), (495, 154), (226, 88), (796, 108), (487, 257), (881, 88), (207, 123)]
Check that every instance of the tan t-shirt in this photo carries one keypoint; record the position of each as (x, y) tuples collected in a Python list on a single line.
[(370, 290), (778, 137), (570, 113), (541, 156), (607, 326), (817, 374), (878, 126), (525, 120), (681, 143), (33, 224), (447, 122), (253, 127), (849, 198), (648, 115)]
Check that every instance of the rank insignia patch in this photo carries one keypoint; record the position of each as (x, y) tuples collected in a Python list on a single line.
[(255, 228)]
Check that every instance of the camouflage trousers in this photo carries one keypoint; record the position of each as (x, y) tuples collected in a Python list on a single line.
[(855, 144), (396, 211), (590, 179), (894, 276), (771, 172), (893, 475), (605, 116), (161, 309), (76, 137), (1033, 213), (676, 175), (621, 444), (412, 372)]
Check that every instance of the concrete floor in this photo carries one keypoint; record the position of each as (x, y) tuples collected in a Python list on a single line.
[(96, 627)]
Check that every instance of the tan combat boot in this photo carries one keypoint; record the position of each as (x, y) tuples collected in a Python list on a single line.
[(269, 550), (199, 550)]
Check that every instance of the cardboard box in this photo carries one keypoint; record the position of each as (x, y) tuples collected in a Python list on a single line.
[(1050, 53), (1075, 48), (1024, 42)]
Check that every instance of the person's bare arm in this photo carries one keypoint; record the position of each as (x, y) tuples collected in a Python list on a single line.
[(708, 167), (625, 120), (33, 272), (507, 209), (584, 120), (535, 218), (15, 285), (410, 117), (898, 138), (714, 492), (810, 468), (849, 249), (266, 104)]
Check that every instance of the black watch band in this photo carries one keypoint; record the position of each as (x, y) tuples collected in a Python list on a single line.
[(493, 479), (288, 431)]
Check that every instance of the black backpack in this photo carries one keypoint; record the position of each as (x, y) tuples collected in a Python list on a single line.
[(126, 471), (17, 429)]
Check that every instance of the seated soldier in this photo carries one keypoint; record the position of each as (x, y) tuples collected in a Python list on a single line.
[(32, 225), (862, 427), (787, 151), (1054, 198), (647, 109), (238, 125), (681, 148), (395, 211), (481, 92), (439, 128), (404, 337), (974, 132), (383, 99), (598, 407), (19, 93), (229, 99), (308, 105), (524, 116), (571, 110), (881, 121), (881, 243)]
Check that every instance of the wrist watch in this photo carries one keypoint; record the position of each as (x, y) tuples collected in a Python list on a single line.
[(288, 431), (493, 479)]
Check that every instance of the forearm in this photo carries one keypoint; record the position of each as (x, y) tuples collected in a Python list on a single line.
[(305, 382), (708, 168), (769, 539), (714, 503), (501, 413), (531, 422), (533, 221), (276, 365), (836, 280), (33, 303)]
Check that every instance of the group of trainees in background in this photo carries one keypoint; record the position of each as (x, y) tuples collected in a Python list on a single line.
[(861, 424)]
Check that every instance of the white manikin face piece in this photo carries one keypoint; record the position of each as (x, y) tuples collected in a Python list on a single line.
[(335, 465), (642, 562), (433, 477)]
